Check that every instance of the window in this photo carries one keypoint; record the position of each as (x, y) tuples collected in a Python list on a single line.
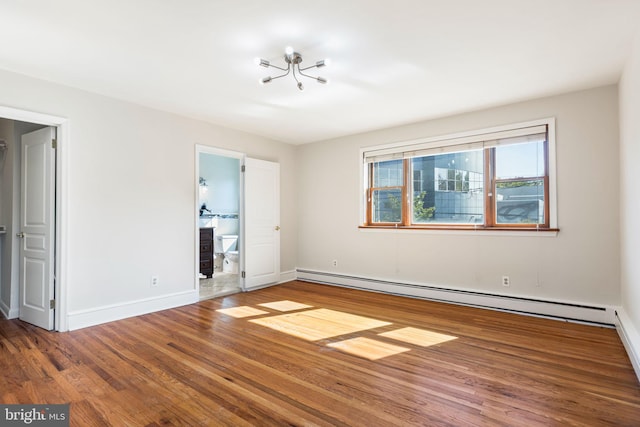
[(494, 179), (387, 192)]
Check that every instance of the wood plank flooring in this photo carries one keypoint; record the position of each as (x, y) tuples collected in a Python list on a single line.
[(196, 366)]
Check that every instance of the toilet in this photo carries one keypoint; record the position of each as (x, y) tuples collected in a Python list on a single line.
[(230, 262), (226, 244)]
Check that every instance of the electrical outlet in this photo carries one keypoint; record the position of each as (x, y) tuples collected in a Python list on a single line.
[(506, 281), (334, 263), (154, 281)]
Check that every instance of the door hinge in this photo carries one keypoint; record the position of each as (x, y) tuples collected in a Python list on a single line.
[(54, 143), (244, 274), (52, 304), (243, 168)]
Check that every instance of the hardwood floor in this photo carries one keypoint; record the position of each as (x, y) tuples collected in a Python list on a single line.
[(196, 366)]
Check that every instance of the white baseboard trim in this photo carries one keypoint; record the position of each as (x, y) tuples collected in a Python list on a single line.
[(630, 338), (95, 316), (288, 276), (7, 312), (561, 310)]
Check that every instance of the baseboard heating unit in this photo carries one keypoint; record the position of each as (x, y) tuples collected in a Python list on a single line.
[(567, 311)]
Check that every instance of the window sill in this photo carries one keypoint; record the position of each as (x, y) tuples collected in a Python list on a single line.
[(495, 231)]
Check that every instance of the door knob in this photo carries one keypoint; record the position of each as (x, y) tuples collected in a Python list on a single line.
[(20, 235), (277, 228)]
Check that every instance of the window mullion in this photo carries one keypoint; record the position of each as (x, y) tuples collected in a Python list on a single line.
[(489, 185), (369, 217), (406, 193), (369, 206)]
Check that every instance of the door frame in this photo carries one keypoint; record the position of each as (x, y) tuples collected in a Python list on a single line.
[(61, 206), (206, 149)]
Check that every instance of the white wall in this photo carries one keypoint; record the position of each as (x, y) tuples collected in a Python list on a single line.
[(580, 265), (132, 193), (630, 202)]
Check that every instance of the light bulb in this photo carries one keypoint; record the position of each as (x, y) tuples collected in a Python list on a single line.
[(288, 50)]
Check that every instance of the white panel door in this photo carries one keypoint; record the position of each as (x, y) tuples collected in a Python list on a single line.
[(36, 234), (262, 223)]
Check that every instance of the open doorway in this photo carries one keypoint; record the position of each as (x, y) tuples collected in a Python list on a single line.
[(219, 222), (31, 194)]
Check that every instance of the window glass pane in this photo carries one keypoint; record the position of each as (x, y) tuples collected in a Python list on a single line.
[(387, 205), (520, 202), (520, 160), (387, 174), (452, 188)]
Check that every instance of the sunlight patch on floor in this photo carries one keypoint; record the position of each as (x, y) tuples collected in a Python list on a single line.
[(284, 305), (321, 323), (421, 337), (243, 311), (368, 348), (313, 325)]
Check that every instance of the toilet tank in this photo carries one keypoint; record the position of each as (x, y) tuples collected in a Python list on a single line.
[(230, 226), (225, 243)]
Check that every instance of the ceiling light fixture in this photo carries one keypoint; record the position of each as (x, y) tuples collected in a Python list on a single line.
[(293, 60)]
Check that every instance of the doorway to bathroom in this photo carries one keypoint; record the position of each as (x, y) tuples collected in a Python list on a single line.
[(219, 222)]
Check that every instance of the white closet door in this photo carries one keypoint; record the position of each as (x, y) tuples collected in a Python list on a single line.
[(36, 232)]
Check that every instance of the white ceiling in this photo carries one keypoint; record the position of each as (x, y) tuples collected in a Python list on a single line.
[(393, 62)]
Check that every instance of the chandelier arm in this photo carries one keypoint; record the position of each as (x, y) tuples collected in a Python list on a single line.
[(280, 68), (300, 85), (282, 75), (294, 73), (306, 75), (306, 68)]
